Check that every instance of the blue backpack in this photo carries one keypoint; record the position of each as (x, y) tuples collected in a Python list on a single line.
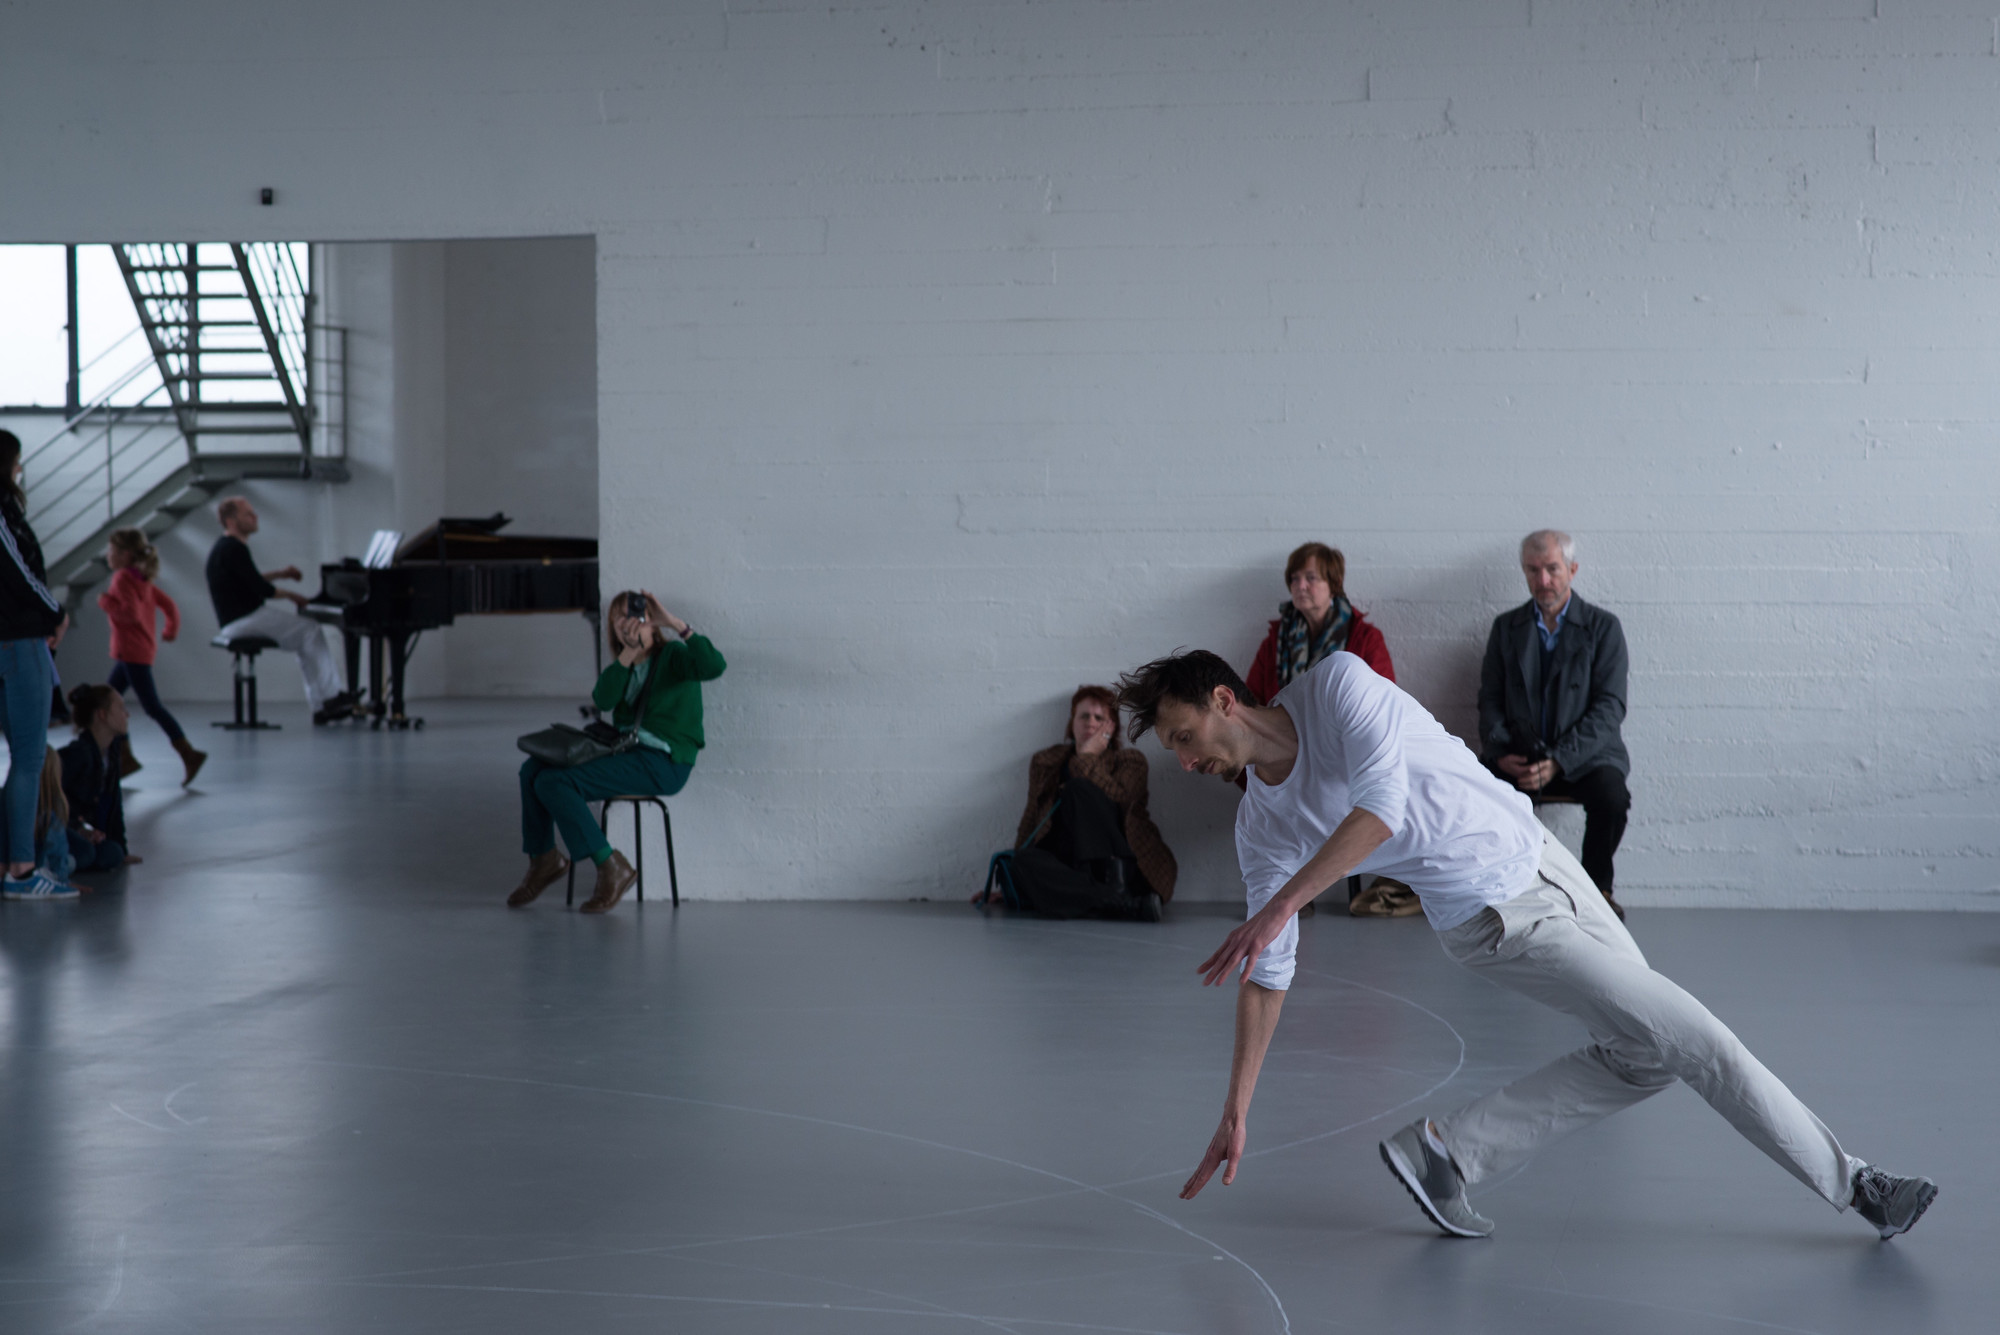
[(1000, 867)]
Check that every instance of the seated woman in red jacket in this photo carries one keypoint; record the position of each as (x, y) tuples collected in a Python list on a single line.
[(1317, 621)]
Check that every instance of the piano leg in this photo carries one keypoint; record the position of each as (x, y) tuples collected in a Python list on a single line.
[(351, 642), (378, 696), (401, 643)]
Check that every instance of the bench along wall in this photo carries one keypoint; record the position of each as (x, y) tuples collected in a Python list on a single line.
[(951, 354)]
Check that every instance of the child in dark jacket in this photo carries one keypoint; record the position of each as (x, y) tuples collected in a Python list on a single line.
[(130, 604), (90, 778)]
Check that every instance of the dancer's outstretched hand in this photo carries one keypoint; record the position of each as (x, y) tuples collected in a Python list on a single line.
[(1242, 946), (1227, 1145)]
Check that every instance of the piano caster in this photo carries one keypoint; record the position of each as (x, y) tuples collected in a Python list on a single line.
[(401, 723)]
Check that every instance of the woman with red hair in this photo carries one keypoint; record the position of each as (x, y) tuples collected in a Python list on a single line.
[(1086, 845)]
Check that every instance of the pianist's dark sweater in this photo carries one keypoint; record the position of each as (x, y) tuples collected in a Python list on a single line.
[(235, 585), (673, 710)]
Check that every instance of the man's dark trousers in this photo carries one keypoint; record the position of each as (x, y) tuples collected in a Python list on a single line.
[(1606, 805)]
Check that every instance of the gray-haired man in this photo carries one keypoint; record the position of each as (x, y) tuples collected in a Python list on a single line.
[(1552, 696)]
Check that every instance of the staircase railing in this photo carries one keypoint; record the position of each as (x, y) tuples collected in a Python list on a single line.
[(326, 346), (283, 301), (231, 327), (104, 457)]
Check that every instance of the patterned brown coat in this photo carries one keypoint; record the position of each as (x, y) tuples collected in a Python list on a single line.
[(1122, 774)]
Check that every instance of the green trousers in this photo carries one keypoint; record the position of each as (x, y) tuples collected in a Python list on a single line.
[(553, 798)]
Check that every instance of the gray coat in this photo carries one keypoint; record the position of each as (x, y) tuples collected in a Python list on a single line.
[(1590, 665)]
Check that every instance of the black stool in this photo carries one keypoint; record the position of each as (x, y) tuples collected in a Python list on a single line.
[(639, 801), (243, 651)]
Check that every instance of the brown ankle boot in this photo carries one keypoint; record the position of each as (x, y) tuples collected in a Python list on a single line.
[(614, 878), (544, 870), (128, 764), (190, 758)]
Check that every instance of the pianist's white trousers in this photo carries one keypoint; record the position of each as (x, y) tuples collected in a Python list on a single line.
[(299, 635)]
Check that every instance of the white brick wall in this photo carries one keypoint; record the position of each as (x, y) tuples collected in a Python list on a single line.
[(953, 353)]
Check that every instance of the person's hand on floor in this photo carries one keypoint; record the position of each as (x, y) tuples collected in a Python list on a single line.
[(1225, 1147)]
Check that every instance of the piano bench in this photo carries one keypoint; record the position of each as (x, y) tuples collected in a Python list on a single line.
[(243, 651), (639, 801)]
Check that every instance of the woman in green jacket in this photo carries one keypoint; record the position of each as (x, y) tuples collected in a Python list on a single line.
[(656, 645)]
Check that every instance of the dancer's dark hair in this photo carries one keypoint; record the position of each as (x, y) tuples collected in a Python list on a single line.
[(1189, 676)]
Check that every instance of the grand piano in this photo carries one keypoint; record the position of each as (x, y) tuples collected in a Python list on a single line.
[(454, 568)]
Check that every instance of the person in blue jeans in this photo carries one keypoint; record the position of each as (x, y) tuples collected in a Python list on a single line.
[(32, 621)]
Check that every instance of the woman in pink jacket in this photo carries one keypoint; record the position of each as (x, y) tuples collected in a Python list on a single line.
[(130, 603)]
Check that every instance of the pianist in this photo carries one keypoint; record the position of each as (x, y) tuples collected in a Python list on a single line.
[(653, 691), (242, 595)]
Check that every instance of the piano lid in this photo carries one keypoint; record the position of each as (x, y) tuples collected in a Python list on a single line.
[(481, 540)]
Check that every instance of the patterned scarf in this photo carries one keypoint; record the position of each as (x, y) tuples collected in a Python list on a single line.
[(1299, 648)]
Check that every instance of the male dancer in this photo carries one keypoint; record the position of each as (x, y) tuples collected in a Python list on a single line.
[(1349, 774)]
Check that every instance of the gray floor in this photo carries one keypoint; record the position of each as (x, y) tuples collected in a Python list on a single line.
[(301, 1072)]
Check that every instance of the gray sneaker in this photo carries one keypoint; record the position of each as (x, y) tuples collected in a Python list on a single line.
[(1433, 1182), (1892, 1204)]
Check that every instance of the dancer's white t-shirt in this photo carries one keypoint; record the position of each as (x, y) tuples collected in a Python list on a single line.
[(1459, 837)]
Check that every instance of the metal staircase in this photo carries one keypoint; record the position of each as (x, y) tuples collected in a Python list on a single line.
[(230, 327), (244, 385)]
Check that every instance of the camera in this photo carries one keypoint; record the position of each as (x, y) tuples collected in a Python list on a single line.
[(635, 606)]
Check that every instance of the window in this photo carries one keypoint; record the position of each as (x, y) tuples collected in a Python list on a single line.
[(111, 351), (43, 367), (34, 326)]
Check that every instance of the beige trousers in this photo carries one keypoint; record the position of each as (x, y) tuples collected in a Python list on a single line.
[(1560, 943)]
